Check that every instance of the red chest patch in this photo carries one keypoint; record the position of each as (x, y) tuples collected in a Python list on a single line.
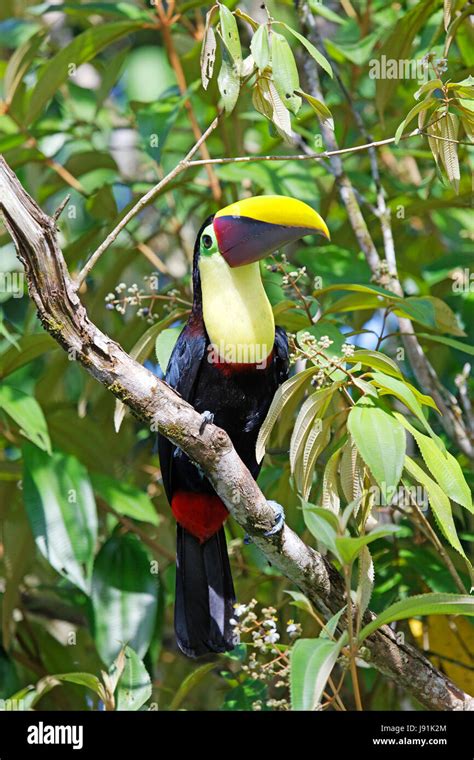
[(201, 514), (234, 368)]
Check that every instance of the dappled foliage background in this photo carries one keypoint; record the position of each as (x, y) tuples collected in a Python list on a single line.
[(86, 535)]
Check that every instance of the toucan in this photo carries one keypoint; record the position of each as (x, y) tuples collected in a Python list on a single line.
[(228, 362)]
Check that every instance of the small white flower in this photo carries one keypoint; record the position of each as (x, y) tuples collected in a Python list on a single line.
[(272, 637)]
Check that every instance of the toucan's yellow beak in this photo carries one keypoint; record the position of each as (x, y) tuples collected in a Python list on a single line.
[(251, 229)]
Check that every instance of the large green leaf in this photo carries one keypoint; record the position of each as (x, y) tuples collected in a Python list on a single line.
[(125, 498), (27, 414), (260, 47), (314, 52), (134, 686), (424, 604), (376, 360), (285, 73), (29, 348), (439, 504), (430, 311), (380, 440), (124, 597), (228, 81), (62, 513), (443, 466), (83, 48), (230, 34), (311, 663), (402, 390)]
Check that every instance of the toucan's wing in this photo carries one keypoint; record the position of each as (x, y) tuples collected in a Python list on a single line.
[(181, 374)]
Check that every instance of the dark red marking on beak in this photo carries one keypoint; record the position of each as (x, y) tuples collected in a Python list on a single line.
[(243, 240)]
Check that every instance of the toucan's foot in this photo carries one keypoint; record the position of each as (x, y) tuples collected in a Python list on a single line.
[(279, 518), (207, 418)]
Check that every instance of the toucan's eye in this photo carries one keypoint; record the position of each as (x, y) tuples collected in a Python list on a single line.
[(207, 241)]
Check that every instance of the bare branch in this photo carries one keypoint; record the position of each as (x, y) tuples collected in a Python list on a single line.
[(65, 318)]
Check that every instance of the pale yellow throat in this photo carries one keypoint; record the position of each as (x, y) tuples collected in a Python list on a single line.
[(237, 313)]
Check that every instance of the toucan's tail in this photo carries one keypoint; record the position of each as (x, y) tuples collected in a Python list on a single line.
[(205, 595)]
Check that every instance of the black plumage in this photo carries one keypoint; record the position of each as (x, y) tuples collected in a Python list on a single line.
[(239, 396)]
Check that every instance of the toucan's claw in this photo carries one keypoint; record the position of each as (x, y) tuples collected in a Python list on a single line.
[(207, 418), (279, 518)]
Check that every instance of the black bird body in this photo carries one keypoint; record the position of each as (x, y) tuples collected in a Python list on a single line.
[(230, 311), (239, 396)]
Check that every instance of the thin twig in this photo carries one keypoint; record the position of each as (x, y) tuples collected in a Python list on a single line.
[(140, 205)]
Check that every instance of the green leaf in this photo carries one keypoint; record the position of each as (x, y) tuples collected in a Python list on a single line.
[(423, 105), (19, 64), (323, 525), (301, 601), (83, 48), (349, 547), (243, 696), (8, 677), (424, 604), (401, 390), (125, 498), (260, 47), (311, 663), (321, 110), (439, 504), (230, 34), (316, 441), (164, 345), (314, 52), (284, 394), (314, 406), (28, 415), (330, 627), (449, 127), (228, 81), (457, 344), (267, 101), (62, 513), (285, 73), (134, 686), (443, 466), (380, 440), (124, 597), (430, 311), (376, 360), (189, 683), (81, 679)]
